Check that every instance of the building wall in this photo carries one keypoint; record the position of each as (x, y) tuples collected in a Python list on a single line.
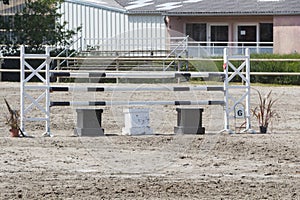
[(286, 34), (177, 24), (109, 29)]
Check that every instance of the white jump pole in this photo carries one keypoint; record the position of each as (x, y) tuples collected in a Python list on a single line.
[(142, 75), (137, 103), (121, 88)]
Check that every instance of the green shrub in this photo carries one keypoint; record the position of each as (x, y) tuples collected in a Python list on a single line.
[(260, 66), (275, 66)]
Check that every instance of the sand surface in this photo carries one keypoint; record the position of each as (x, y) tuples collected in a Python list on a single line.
[(162, 166)]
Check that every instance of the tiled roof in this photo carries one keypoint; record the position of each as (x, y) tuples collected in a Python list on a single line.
[(108, 4), (187, 7), (17, 5), (213, 7)]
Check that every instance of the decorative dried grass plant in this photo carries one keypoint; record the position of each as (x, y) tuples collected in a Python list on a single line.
[(13, 118), (264, 112)]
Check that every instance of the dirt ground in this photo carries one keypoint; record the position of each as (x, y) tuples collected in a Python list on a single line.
[(161, 166)]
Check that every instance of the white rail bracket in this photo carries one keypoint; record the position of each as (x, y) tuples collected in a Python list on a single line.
[(231, 101), (39, 106)]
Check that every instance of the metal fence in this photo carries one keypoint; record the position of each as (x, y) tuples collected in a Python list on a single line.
[(208, 49), (194, 48)]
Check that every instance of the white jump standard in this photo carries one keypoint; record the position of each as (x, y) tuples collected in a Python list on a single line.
[(43, 103)]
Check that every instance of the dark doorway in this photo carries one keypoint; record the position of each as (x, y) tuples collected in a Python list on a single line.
[(247, 34), (219, 34)]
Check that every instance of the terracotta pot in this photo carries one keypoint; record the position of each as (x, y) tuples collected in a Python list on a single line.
[(263, 129), (14, 132)]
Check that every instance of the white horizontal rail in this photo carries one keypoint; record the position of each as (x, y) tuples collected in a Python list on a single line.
[(251, 73), (155, 59), (230, 44), (35, 119)]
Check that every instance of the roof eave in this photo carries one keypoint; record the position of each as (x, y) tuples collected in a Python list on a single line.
[(145, 12), (209, 14)]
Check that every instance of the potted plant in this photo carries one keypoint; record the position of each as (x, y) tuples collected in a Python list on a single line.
[(13, 120), (264, 111)]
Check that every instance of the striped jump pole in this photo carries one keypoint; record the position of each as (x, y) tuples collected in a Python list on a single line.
[(137, 89), (143, 75), (132, 103)]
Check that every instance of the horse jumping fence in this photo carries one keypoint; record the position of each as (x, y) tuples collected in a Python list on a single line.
[(43, 102)]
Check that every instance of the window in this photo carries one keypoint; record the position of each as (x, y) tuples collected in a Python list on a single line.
[(266, 33), (219, 34), (247, 34), (196, 32)]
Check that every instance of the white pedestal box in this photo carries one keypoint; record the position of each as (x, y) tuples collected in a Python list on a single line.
[(136, 121)]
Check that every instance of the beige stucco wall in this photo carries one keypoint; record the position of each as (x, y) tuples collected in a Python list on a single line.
[(286, 28), (177, 23), (286, 34)]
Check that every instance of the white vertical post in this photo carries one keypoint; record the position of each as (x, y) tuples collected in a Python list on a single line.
[(47, 98), (248, 104), (226, 91), (22, 85)]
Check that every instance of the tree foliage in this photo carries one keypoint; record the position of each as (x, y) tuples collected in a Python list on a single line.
[(37, 25)]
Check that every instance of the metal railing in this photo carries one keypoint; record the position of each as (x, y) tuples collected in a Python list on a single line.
[(180, 50), (161, 59), (129, 45), (207, 49), (67, 49)]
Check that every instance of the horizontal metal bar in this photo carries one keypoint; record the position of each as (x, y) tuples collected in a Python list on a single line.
[(36, 119), (36, 87), (275, 73), (35, 56), (162, 59)]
